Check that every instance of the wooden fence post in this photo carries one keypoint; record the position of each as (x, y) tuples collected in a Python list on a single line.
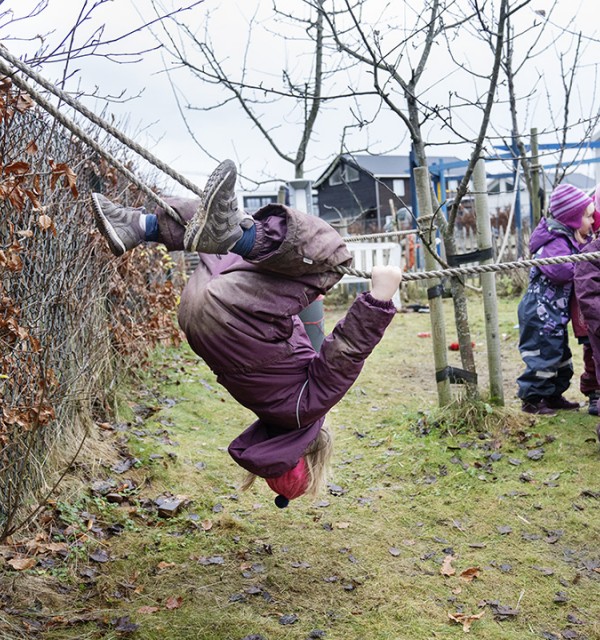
[(488, 283), (535, 179), (436, 311)]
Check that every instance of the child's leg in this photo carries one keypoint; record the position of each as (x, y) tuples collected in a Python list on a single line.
[(126, 227), (169, 231), (546, 355), (588, 383)]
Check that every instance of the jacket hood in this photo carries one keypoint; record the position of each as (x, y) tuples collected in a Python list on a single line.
[(546, 231)]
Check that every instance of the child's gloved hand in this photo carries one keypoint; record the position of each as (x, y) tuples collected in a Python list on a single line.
[(385, 282)]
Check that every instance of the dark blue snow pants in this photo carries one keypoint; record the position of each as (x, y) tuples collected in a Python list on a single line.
[(544, 347)]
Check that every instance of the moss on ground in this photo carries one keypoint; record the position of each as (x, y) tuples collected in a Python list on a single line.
[(417, 493)]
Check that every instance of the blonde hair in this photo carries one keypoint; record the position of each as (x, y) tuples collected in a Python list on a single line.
[(317, 458)]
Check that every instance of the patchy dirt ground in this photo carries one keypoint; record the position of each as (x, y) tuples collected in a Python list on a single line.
[(434, 523)]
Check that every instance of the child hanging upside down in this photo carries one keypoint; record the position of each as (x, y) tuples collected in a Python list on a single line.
[(239, 312)]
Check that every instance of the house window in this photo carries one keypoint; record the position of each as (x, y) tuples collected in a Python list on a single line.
[(254, 203), (398, 187), (343, 175)]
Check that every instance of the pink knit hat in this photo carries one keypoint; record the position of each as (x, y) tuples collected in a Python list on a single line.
[(568, 204), (292, 484)]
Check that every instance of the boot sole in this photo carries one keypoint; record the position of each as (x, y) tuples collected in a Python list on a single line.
[(206, 206), (106, 229)]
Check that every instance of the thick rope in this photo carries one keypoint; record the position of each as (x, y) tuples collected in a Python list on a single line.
[(90, 115), (71, 126), (144, 153), (482, 268)]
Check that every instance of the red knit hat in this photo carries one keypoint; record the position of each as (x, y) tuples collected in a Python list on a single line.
[(292, 484), (568, 204)]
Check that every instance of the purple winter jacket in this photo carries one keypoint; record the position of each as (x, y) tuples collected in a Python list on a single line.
[(548, 241), (587, 289), (241, 320)]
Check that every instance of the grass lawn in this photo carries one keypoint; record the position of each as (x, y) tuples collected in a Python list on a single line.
[(431, 522)]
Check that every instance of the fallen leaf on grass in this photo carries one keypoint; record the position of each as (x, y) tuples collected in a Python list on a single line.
[(342, 525), (465, 620), (147, 609), (20, 564), (206, 525), (447, 568), (100, 555), (174, 602), (125, 626), (161, 566), (536, 454), (468, 575), (212, 560)]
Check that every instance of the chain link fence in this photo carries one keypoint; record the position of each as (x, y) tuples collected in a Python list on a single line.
[(72, 319)]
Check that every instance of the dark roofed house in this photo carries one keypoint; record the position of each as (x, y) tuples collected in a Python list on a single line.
[(359, 193)]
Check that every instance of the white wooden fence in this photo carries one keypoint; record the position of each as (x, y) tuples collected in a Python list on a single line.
[(407, 252), (366, 255)]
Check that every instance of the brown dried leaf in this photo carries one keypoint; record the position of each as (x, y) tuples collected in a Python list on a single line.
[(45, 222), (465, 620), (18, 168), (207, 525), (161, 566), (33, 197), (31, 148), (21, 564), (147, 609), (55, 547), (447, 568), (468, 575), (174, 602), (63, 170), (24, 102)]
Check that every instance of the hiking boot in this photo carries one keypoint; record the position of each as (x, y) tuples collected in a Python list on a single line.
[(537, 407), (119, 225), (218, 223), (560, 402), (593, 403)]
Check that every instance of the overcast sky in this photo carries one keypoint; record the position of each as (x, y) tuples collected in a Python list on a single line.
[(152, 114)]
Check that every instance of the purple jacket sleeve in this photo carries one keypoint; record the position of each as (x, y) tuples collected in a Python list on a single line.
[(587, 290), (334, 370), (557, 273)]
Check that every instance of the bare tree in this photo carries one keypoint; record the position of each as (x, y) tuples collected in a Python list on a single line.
[(85, 38), (398, 66), (569, 59), (298, 94)]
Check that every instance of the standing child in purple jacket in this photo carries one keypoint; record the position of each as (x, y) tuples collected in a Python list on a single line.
[(587, 290), (239, 312), (544, 310)]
